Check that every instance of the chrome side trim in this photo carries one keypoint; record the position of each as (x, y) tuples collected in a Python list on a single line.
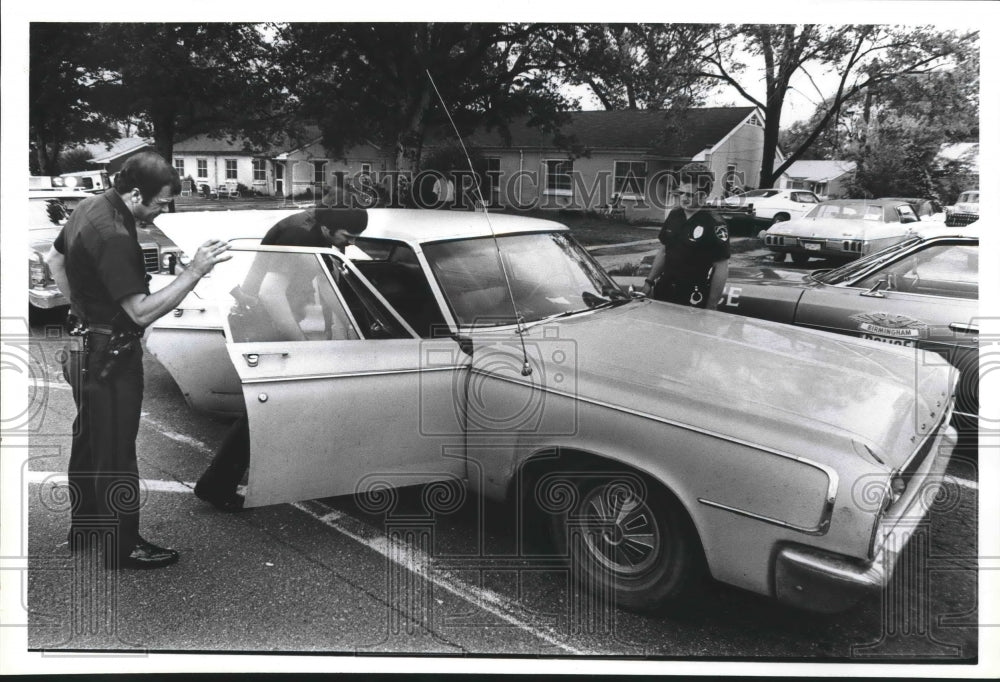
[(819, 529), (831, 474), (349, 375)]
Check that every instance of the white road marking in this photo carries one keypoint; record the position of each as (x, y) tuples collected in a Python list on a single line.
[(418, 562), (408, 557), (163, 430), (151, 484)]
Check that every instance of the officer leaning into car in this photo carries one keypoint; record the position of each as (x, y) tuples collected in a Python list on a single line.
[(692, 264), (97, 262)]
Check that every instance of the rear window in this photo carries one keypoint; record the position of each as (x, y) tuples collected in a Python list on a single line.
[(761, 193), (968, 198)]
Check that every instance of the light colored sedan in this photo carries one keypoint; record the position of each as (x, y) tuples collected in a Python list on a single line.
[(774, 205), (843, 228), (659, 444)]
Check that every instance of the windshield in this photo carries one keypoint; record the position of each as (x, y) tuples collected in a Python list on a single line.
[(862, 265), (549, 273), (761, 193)]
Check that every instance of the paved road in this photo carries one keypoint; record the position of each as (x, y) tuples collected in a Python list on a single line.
[(332, 576)]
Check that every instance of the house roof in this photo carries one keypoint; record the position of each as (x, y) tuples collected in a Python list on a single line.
[(674, 134), (206, 144), (820, 170), (102, 153)]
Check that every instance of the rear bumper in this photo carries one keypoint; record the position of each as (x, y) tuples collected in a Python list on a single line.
[(817, 580), (47, 298), (845, 248)]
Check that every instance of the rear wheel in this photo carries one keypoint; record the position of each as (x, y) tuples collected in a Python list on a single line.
[(629, 543), (780, 218), (800, 258), (779, 257)]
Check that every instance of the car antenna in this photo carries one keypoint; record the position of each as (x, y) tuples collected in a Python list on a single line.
[(526, 367)]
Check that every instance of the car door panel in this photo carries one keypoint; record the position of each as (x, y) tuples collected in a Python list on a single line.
[(333, 416)]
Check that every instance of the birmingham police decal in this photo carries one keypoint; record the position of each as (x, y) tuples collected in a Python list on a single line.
[(897, 329)]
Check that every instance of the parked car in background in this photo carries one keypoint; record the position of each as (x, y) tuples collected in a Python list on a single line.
[(922, 292), (48, 211), (495, 352), (773, 205), (843, 228), (965, 211), (925, 208)]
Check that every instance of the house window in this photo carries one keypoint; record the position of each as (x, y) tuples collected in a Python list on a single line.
[(755, 121), (203, 169), (366, 168), (230, 169), (259, 170), (730, 181), (319, 172), (179, 165), (558, 177), (630, 177)]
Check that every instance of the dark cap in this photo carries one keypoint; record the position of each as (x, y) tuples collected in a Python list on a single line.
[(354, 220)]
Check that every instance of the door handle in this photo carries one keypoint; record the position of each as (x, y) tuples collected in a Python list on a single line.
[(180, 311), (964, 328), (253, 359)]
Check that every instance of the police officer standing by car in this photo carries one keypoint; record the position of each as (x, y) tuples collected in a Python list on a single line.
[(692, 264), (97, 262)]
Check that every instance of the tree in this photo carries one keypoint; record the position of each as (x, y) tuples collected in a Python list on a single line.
[(60, 110), (176, 80), (73, 160), (635, 66), (863, 57), (369, 82)]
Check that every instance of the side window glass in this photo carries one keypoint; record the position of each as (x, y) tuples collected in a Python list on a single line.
[(948, 270), (272, 296), (374, 319)]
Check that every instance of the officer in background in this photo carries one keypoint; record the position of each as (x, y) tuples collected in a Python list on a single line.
[(97, 262), (692, 264)]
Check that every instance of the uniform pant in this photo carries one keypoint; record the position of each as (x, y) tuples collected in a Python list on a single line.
[(229, 464), (103, 472)]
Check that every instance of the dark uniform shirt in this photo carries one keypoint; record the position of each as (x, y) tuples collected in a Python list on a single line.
[(104, 262), (692, 245)]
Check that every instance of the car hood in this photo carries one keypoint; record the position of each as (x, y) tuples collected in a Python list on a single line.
[(779, 386), (836, 228)]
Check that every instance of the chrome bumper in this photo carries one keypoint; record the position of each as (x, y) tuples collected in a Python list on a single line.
[(46, 298), (817, 580)]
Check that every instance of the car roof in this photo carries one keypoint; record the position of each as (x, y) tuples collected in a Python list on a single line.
[(865, 202), (190, 228)]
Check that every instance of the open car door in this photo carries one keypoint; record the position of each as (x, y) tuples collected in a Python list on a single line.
[(341, 395)]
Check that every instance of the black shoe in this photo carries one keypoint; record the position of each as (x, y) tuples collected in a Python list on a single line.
[(146, 555), (233, 502)]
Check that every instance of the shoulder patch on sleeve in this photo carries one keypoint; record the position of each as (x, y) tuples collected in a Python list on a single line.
[(722, 233)]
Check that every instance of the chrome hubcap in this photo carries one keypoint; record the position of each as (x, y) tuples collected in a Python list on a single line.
[(620, 530)]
